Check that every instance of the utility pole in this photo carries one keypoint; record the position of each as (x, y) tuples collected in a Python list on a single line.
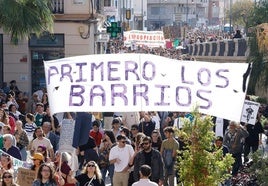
[(187, 11), (230, 16)]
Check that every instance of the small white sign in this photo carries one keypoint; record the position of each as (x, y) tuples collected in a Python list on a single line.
[(110, 10), (23, 77), (66, 136), (250, 112), (103, 38)]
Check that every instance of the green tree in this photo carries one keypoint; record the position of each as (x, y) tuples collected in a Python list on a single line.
[(199, 164), (259, 168), (241, 10), (20, 18)]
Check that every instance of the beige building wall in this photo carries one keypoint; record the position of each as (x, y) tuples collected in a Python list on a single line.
[(16, 62), (76, 6), (17, 59), (74, 44)]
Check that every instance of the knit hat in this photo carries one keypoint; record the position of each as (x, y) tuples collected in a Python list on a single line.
[(38, 156)]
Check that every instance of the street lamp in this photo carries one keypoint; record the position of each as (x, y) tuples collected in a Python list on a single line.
[(187, 11), (230, 16)]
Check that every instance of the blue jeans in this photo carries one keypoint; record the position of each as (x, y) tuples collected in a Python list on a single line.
[(23, 154), (110, 169)]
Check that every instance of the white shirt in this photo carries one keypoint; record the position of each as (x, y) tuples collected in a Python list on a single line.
[(156, 119), (123, 154), (178, 122), (130, 118), (44, 141), (144, 182)]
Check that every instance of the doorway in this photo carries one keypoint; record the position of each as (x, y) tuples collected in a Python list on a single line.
[(37, 66)]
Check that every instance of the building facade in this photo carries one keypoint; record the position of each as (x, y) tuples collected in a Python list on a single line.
[(75, 33), (172, 12)]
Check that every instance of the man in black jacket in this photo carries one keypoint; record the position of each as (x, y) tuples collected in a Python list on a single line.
[(151, 157)]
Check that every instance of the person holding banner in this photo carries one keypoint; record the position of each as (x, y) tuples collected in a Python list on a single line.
[(147, 125), (254, 139), (61, 164)]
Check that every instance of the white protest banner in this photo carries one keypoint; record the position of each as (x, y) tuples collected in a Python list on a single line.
[(147, 38), (250, 112), (142, 82)]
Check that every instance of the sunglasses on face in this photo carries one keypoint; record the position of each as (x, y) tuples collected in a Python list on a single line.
[(7, 176), (90, 165), (147, 143)]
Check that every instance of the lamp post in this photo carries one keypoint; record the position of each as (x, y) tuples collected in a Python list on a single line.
[(187, 11), (230, 16)]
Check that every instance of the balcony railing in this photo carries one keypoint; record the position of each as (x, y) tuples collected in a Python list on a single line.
[(57, 6)]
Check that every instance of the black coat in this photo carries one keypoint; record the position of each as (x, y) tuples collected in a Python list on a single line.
[(157, 165)]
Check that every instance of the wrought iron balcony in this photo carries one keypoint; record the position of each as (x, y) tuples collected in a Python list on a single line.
[(57, 6)]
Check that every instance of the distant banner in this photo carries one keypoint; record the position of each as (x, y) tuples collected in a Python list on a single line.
[(146, 38), (250, 112), (143, 82)]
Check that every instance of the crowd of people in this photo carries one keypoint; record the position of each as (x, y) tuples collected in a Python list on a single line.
[(129, 148)]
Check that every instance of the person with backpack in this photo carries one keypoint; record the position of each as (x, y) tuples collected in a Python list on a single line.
[(168, 151)]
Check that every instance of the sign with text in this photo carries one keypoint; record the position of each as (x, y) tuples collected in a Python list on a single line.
[(144, 38), (250, 112), (66, 136), (25, 176), (142, 82)]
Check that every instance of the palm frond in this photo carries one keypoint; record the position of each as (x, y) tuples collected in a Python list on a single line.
[(20, 18)]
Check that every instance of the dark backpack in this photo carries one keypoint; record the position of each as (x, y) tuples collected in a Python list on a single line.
[(167, 157)]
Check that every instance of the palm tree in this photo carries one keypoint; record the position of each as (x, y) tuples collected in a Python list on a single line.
[(20, 18)]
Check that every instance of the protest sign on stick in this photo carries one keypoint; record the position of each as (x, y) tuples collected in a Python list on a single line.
[(25, 176)]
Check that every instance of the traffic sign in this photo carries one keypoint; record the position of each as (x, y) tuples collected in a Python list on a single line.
[(103, 38)]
